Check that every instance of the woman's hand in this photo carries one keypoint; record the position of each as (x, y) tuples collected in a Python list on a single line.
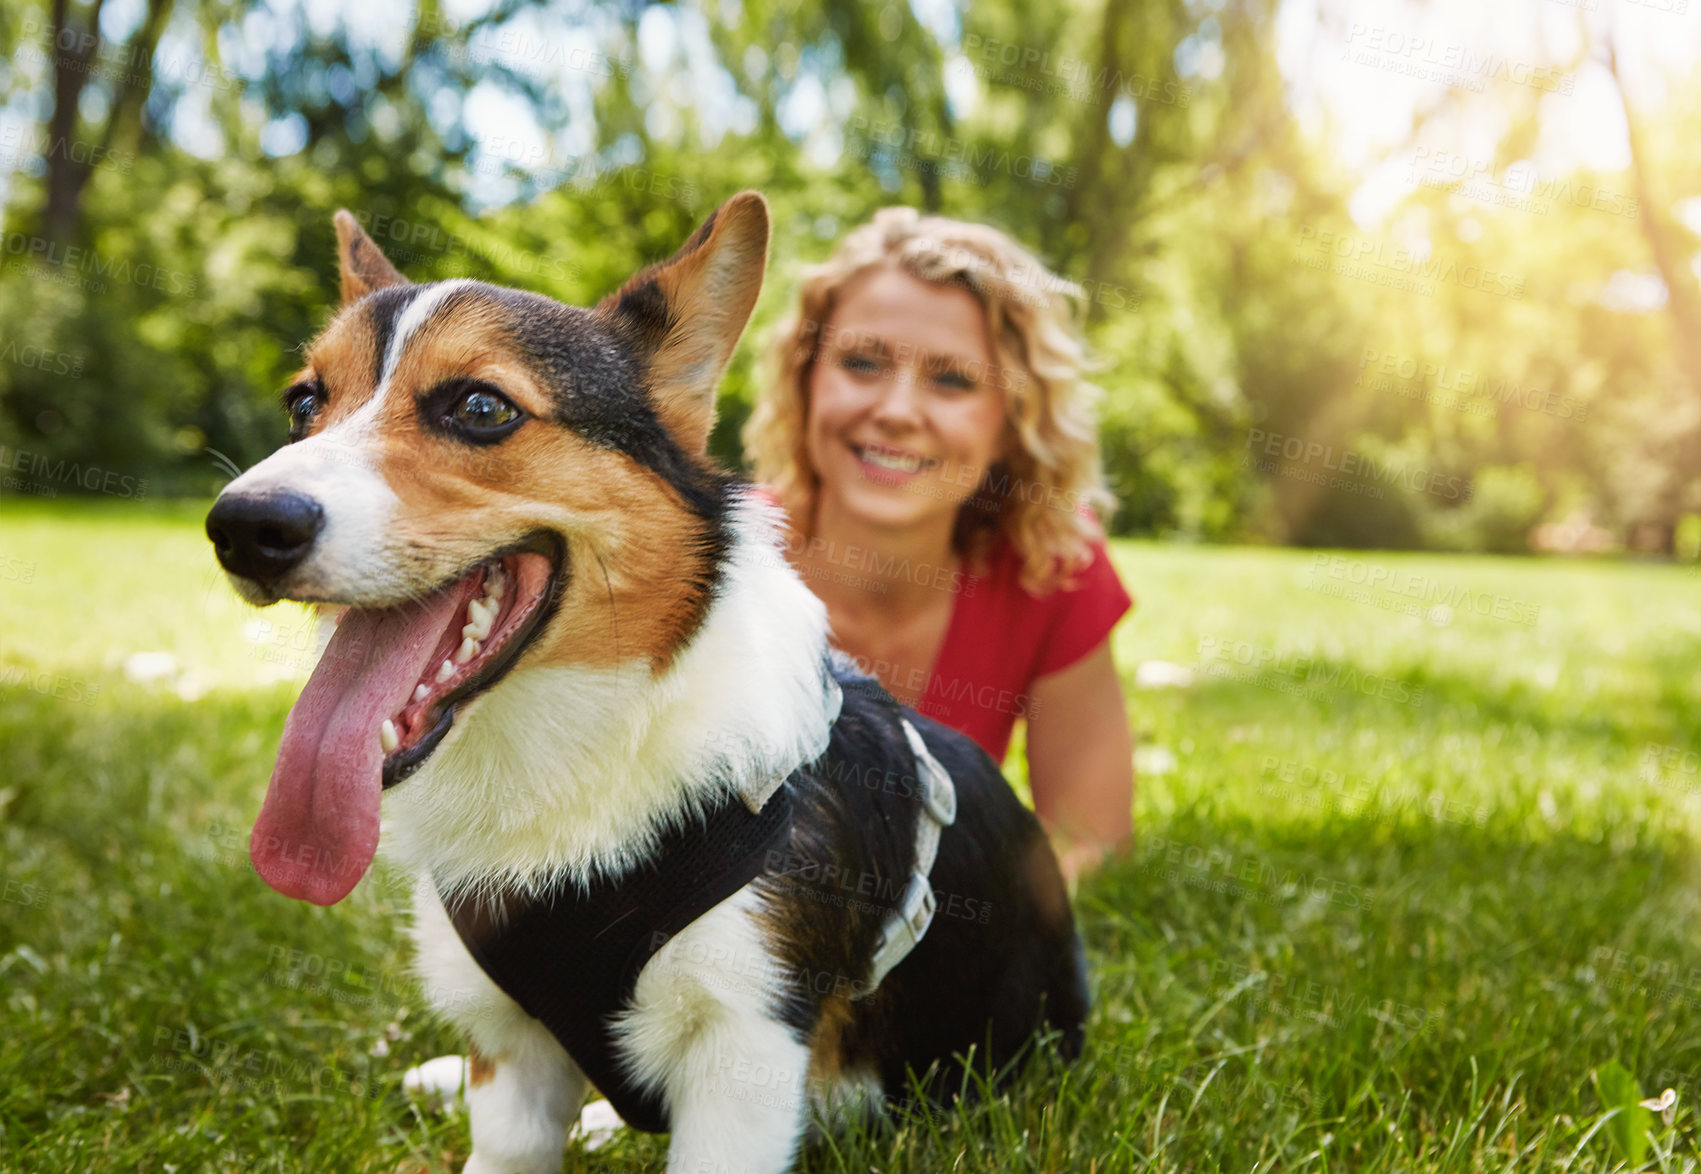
[(1081, 761), (1078, 858)]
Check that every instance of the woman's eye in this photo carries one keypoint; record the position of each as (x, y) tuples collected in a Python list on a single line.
[(859, 364), (955, 380), (482, 410)]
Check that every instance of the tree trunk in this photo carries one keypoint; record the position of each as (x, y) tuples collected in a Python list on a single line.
[(65, 175), (1682, 447), (1095, 141), (75, 53)]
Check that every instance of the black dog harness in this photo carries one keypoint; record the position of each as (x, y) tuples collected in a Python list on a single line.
[(571, 958)]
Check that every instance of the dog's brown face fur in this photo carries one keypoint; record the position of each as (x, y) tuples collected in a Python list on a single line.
[(635, 557)]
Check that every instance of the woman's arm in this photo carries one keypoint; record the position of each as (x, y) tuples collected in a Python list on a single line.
[(1081, 760)]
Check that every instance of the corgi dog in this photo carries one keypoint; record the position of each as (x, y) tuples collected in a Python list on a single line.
[(664, 840)]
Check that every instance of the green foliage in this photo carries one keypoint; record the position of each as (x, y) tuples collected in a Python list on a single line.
[(1198, 216), (1629, 1125), (1505, 504)]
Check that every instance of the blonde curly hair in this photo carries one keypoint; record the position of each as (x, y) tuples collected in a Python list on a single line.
[(1036, 493)]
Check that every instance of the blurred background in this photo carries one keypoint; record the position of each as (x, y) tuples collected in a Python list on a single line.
[(1374, 275)]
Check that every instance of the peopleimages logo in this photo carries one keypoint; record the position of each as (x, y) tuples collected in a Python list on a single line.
[(412, 236), (1258, 872), (1338, 575), (38, 358), (1074, 75), (970, 160), (120, 62), (886, 566), (43, 470), (1347, 462), (1427, 373), (1294, 673), (1519, 187), (21, 141), (1358, 253), (87, 261), (1451, 62)]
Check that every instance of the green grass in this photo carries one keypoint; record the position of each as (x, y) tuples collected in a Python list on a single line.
[(1367, 927)]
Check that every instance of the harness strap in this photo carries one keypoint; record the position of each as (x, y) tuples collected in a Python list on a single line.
[(906, 927)]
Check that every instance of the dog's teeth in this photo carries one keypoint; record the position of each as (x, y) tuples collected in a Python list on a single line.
[(468, 650), (421, 692), (494, 585), (478, 616), (444, 672), (387, 736)]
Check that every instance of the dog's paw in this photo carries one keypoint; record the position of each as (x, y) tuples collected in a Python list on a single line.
[(598, 1123), (441, 1081)]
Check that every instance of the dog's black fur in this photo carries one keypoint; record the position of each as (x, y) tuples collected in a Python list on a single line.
[(1001, 960)]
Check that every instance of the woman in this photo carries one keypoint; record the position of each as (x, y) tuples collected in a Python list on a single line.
[(927, 432)]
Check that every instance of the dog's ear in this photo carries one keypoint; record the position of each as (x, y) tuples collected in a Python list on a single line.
[(364, 267), (688, 312)]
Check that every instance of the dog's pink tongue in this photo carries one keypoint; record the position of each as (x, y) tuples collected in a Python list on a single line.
[(318, 829)]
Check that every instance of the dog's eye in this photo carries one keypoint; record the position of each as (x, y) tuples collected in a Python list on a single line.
[(480, 412), (303, 402), (483, 409)]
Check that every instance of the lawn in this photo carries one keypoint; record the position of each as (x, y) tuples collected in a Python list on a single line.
[(1418, 875)]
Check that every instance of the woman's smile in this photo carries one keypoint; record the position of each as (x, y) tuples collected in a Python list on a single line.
[(888, 465)]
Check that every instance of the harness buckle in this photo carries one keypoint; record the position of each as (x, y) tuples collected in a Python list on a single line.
[(903, 932), (938, 793), (938, 796), (919, 905)]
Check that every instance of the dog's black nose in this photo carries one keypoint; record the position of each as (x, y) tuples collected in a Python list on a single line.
[(264, 537)]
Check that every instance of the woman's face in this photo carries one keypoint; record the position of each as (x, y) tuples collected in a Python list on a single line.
[(906, 404)]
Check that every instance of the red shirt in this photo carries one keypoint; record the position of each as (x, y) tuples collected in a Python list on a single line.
[(1000, 638)]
